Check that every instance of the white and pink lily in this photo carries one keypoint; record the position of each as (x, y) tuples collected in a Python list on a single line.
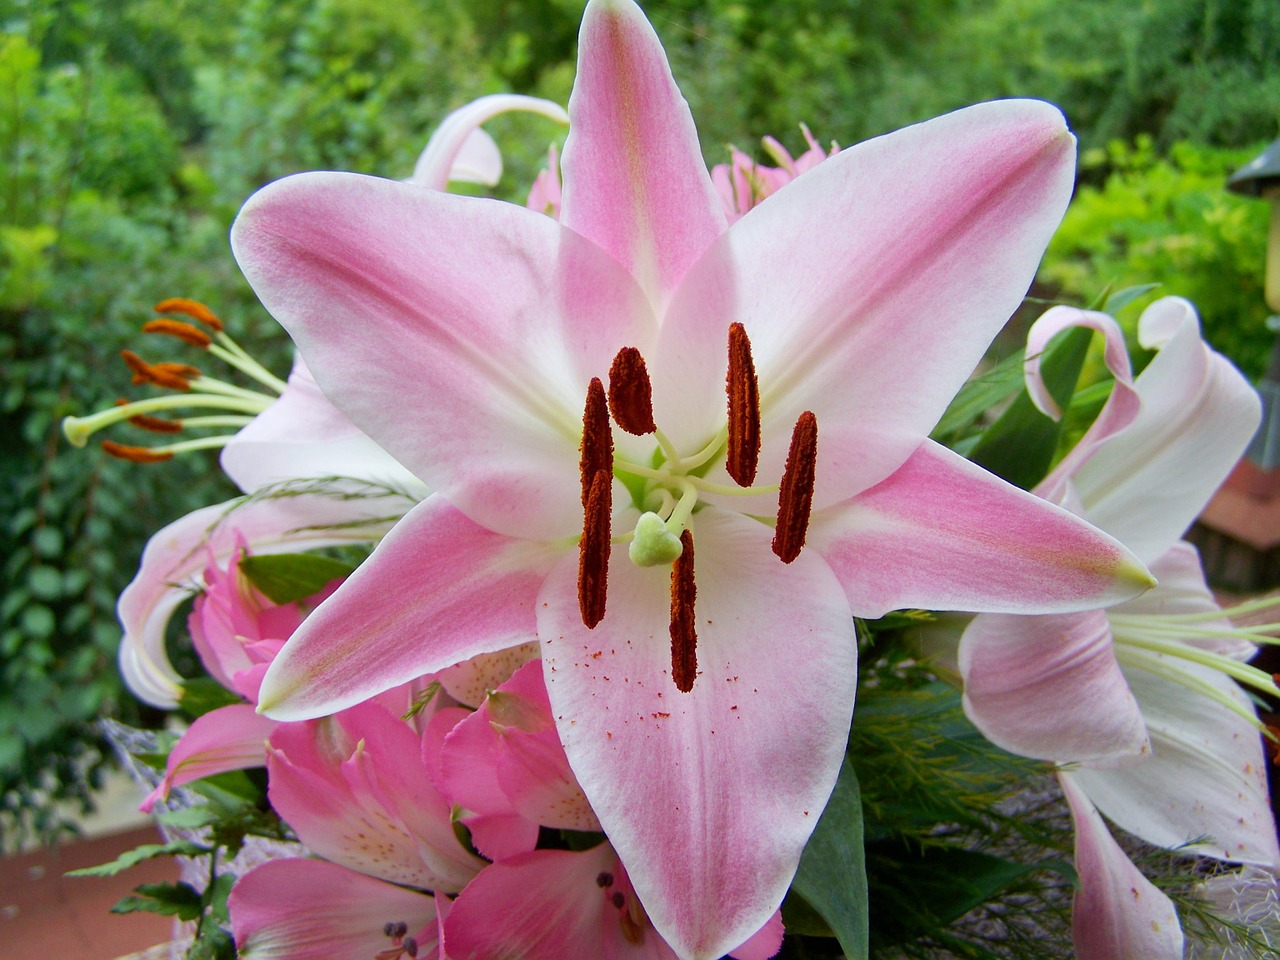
[(1140, 701), (704, 716)]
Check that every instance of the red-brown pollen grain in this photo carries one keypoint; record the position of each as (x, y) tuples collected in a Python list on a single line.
[(630, 393), (684, 635), (795, 496), (1274, 744), (593, 549), (172, 376), (190, 308), (135, 454), (180, 329), (597, 437), (744, 409), (154, 424)]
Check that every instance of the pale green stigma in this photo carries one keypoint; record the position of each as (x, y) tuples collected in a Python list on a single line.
[(653, 544)]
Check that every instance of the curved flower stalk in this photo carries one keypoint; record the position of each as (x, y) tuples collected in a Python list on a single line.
[(1140, 701), (486, 334)]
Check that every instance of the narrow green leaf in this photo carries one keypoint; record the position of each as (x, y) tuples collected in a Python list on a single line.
[(289, 577), (179, 900), (148, 851), (832, 876), (1020, 445), (981, 394), (1122, 298)]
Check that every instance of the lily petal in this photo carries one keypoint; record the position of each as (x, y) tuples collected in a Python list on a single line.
[(943, 534), (1117, 912), (233, 737), (388, 291), (454, 151), (175, 557), (1050, 687), (1148, 483), (302, 435), (1206, 779), (675, 778), (635, 182), (876, 325), (311, 910), (459, 590)]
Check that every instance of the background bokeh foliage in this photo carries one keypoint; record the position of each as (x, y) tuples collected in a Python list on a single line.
[(131, 131)]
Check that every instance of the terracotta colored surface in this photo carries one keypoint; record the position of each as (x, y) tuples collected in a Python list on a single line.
[(44, 914)]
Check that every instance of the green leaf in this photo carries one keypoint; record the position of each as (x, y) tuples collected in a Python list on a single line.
[(980, 394), (203, 694), (1122, 298), (832, 876), (148, 851), (290, 577), (214, 943), (179, 900), (189, 818), (1020, 445)]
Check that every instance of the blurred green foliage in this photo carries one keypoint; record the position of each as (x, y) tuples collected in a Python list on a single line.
[(131, 131)]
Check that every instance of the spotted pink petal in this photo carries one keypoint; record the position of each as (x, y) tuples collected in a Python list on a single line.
[(679, 780)]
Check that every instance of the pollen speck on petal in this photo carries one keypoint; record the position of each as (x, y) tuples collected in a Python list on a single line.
[(744, 409), (684, 636), (795, 496), (630, 393)]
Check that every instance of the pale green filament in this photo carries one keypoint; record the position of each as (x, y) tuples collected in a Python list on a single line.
[(79, 429), (235, 355)]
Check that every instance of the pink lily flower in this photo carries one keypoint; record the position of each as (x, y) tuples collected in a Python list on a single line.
[(742, 183), (299, 909), (463, 335), (1140, 701)]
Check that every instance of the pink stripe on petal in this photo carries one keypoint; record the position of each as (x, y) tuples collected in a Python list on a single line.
[(943, 534), (229, 738), (635, 182), (437, 590)]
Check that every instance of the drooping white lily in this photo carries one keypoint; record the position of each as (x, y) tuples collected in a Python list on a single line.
[(1141, 700), (704, 714)]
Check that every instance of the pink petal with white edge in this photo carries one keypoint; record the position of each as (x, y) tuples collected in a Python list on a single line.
[(176, 556), (459, 591), (1207, 774), (312, 910), (480, 322), (233, 737), (1147, 485), (1182, 591), (870, 287), (635, 182), (1118, 914), (1050, 687), (707, 806), (1117, 414), (304, 436), (455, 152), (943, 534)]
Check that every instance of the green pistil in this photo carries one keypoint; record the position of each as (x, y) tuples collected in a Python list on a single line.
[(79, 429)]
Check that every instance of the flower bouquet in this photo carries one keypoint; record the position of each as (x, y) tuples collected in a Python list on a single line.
[(578, 529)]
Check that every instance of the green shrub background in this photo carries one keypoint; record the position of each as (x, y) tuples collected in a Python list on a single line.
[(131, 131)]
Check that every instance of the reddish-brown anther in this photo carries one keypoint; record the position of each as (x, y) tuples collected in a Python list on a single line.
[(597, 437), (135, 454), (172, 376), (630, 393), (593, 548), (191, 308), (795, 496), (684, 634), (744, 409), (154, 424), (180, 329)]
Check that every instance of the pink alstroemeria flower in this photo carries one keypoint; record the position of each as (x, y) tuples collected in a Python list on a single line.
[(742, 183), (1140, 701), (706, 723)]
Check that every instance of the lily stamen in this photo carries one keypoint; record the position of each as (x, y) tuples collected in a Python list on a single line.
[(795, 495), (177, 328), (631, 393), (171, 376), (743, 389), (596, 467), (684, 635), (191, 308)]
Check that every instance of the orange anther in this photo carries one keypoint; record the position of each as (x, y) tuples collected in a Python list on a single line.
[(744, 409), (177, 328), (684, 634), (191, 308), (135, 454), (795, 496)]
